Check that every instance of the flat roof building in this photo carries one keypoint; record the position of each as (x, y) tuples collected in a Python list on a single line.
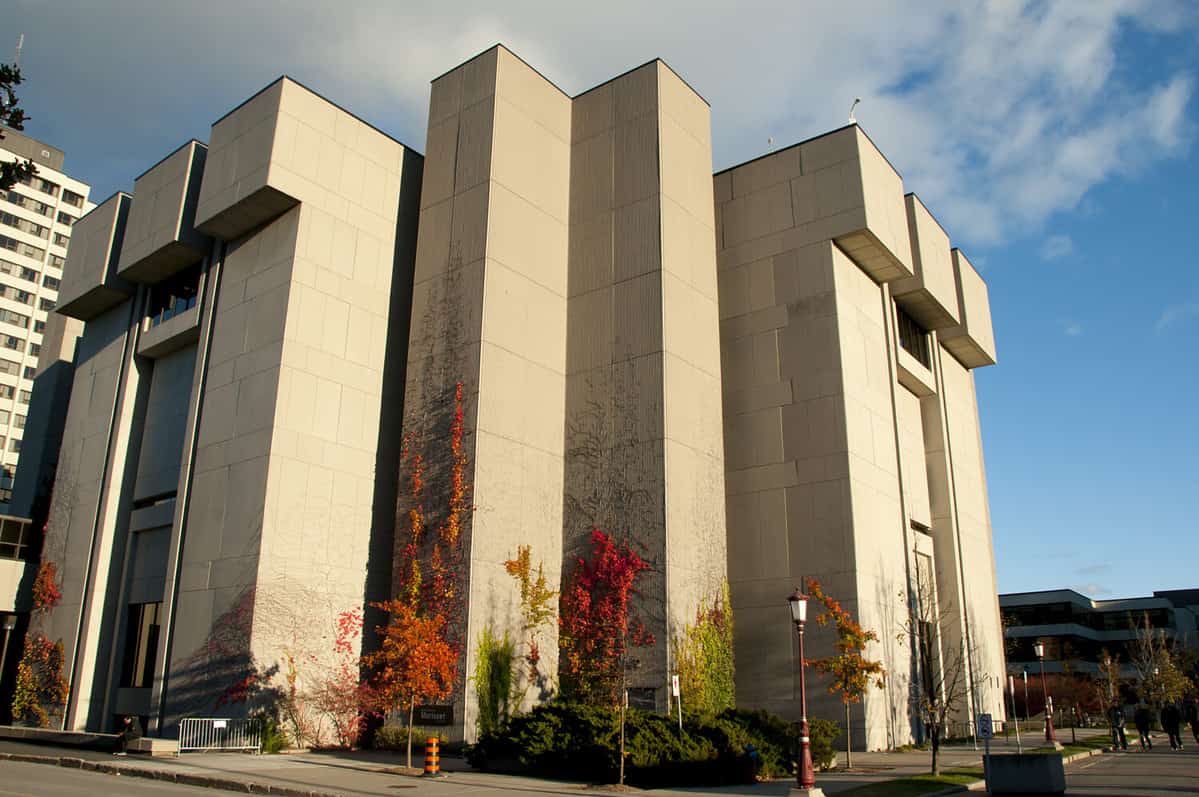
[(755, 377)]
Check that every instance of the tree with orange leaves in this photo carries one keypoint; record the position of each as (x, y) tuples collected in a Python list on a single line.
[(852, 673), (413, 663)]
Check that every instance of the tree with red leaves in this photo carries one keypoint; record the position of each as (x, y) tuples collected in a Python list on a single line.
[(595, 629), (852, 673)]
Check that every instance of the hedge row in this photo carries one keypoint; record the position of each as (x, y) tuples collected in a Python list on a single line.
[(583, 742)]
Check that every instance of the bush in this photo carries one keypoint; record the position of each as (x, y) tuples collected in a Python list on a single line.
[(583, 742), (821, 734), (395, 737), (274, 738)]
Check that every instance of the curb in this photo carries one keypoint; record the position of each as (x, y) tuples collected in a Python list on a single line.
[(182, 778)]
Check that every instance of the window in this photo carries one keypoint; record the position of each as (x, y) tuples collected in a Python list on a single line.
[(29, 203), (51, 282), (24, 396), (18, 422), (11, 317), (7, 391), (39, 327), (71, 198), (65, 219), (913, 337), (11, 342), (45, 304), (21, 248), (57, 261), (3, 417), (14, 446), (35, 349), (24, 225), (45, 186), (30, 372), (61, 240), (9, 367), (141, 644), (14, 539), (174, 296)]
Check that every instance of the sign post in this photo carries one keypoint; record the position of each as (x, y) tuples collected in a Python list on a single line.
[(1011, 687), (986, 729), (674, 690)]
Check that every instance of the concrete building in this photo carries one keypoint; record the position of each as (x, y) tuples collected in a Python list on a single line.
[(849, 330), (271, 318), (1076, 629), (36, 220)]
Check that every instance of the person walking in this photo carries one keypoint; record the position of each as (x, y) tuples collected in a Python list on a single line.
[(1115, 715), (1142, 718), (1171, 723), (1192, 717)]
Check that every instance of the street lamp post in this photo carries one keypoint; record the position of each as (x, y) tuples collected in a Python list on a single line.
[(805, 774), (1049, 735)]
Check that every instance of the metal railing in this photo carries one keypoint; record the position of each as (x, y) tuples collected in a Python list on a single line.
[(216, 734)]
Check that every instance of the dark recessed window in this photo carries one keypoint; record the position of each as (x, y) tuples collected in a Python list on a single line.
[(141, 643), (913, 337), (173, 296)]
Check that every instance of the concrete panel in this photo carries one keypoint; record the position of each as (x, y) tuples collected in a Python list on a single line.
[(90, 283), (161, 238)]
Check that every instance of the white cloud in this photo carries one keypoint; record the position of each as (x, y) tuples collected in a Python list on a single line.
[(1056, 246), (1176, 314), (1092, 589), (1072, 329), (999, 114)]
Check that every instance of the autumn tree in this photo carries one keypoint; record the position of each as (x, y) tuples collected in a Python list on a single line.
[(414, 661), (851, 672), (41, 689), (12, 116), (1158, 675), (595, 628)]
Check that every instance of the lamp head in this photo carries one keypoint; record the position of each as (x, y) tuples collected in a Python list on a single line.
[(1039, 649), (799, 606), (10, 622)]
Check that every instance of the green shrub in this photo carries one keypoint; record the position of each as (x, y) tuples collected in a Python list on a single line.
[(274, 737), (395, 737), (495, 681), (821, 734), (583, 742)]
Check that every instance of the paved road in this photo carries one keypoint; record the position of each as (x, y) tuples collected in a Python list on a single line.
[(1158, 773), (38, 780)]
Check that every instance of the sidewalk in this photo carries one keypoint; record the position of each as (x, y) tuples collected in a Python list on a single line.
[(360, 774)]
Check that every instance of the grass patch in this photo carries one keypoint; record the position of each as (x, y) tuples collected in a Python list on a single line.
[(916, 785)]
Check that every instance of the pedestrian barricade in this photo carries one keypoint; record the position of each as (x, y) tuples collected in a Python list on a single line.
[(216, 734)]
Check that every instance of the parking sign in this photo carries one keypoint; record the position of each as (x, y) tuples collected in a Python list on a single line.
[(986, 729)]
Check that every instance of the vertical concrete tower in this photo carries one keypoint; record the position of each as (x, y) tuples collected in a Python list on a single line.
[(565, 276)]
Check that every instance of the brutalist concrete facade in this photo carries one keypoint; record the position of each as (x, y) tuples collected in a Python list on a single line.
[(719, 370)]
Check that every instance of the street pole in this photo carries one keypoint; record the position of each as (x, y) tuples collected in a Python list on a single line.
[(1025, 677), (805, 774), (1049, 734), (10, 622), (1012, 688)]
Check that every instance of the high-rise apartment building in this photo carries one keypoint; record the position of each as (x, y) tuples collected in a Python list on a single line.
[(756, 376), (36, 220), (37, 217)]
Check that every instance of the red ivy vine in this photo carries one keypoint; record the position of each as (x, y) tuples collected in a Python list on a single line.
[(46, 593)]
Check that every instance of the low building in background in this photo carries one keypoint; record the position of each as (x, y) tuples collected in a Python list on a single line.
[(1076, 630), (760, 376)]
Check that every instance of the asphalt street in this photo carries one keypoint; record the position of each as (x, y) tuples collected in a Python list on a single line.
[(39, 780), (1160, 772)]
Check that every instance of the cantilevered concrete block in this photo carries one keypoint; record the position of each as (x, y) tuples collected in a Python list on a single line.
[(837, 186), (90, 283), (161, 238), (972, 341), (930, 294)]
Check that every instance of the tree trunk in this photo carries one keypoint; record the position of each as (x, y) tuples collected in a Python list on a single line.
[(848, 741), (623, 704), (411, 714), (936, 729)]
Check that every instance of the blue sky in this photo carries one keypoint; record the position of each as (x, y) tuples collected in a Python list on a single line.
[(1055, 141)]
